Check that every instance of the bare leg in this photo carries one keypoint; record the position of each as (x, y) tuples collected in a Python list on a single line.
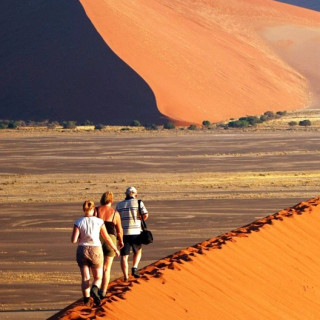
[(97, 276), (106, 274), (137, 258), (85, 284), (124, 266)]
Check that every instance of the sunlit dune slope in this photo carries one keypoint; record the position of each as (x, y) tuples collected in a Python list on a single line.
[(206, 60), (268, 269)]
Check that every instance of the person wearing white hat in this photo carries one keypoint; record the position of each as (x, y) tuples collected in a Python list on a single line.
[(131, 224)]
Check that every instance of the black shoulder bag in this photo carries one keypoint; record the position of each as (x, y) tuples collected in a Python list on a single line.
[(146, 236)]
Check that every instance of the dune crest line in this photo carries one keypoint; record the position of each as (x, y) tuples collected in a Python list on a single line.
[(245, 272)]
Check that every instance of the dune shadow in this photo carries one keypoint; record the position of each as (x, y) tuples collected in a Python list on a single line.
[(54, 65), (308, 4)]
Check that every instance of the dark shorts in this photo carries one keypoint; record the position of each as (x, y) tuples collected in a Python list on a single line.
[(131, 241), (107, 250), (89, 256)]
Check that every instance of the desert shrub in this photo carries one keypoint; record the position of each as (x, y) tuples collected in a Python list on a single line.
[(3, 125), (238, 124), (13, 124), (269, 114), (222, 126), (125, 129), (99, 126), (305, 123), (53, 124), (263, 118), (69, 124), (281, 113), (292, 123), (87, 123), (151, 126), (206, 123), (192, 127), (169, 125), (135, 123), (252, 120)]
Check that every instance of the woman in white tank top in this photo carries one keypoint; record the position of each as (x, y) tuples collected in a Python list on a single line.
[(86, 231)]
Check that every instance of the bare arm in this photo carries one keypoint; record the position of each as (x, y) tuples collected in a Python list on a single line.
[(108, 240), (75, 234), (119, 229)]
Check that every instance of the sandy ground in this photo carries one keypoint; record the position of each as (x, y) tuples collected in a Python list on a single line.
[(283, 40), (208, 60), (265, 270), (195, 186)]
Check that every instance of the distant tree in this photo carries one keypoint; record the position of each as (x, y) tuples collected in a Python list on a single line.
[(69, 124), (305, 123), (206, 123), (292, 123), (169, 125), (192, 127), (135, 123)]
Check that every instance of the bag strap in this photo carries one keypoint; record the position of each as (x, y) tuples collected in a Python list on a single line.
[(143, 223)]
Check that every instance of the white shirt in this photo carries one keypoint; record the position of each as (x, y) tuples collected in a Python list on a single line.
[(89, 231)]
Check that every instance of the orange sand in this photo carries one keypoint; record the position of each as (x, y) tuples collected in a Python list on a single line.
[(206, 60), (266, 270)]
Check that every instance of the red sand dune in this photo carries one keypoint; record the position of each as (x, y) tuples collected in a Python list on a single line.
[(268, 269), (206, 60)]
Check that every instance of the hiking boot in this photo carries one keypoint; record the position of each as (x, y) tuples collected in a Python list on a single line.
[(101, 295), (94, 293), (86, 301), (135, 273)]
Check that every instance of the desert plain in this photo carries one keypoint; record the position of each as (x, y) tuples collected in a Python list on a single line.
[(195, 184)]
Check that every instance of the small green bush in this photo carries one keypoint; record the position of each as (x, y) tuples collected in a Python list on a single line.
[(238, 124), (87, 123), (305, 123), (69, 124), (13, 124), (99, 126), (292, 123), (3, 126), (135, 123), (269, 114), (192, 127), (151, 126), (222, 126), (169, 125), (206, 123)]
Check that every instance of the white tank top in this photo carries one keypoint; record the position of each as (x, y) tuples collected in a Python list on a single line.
[(89, 231)]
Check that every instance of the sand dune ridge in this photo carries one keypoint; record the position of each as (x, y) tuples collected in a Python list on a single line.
[(265, 270)]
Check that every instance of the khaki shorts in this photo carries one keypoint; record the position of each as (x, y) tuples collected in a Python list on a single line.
[(90, 256), (107, 250)]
